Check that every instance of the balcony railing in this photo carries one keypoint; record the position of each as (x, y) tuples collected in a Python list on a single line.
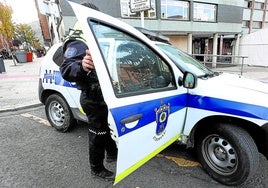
[(218, 61)]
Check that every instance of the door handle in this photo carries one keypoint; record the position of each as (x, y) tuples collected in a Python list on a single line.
[(131, 119)]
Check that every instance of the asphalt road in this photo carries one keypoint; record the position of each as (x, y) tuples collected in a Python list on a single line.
[(33, 154)]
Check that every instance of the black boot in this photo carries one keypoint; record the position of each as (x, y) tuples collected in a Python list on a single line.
[(104, 174)]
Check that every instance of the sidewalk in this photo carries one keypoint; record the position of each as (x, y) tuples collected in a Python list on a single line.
[(254, 72), (19, 84)]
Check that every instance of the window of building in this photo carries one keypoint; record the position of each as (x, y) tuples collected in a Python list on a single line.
[(175, 9), (205, 12), (248, 4), (245, 24), (258, 5), (125, 10), (256, 25)]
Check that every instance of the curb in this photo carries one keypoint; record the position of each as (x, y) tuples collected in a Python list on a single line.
[(20, 108)]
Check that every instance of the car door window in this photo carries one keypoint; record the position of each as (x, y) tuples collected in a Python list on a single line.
[(134, 68)]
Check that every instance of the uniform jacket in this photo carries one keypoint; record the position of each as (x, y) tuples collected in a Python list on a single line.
[(71, 67)]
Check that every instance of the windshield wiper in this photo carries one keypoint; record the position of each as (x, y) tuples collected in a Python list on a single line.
[(209, 75)]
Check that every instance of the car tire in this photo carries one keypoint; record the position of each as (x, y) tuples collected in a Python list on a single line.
[(228, 154), (58, 113)]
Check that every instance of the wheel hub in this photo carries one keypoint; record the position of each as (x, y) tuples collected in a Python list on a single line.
[(57, 114), (220, 153)]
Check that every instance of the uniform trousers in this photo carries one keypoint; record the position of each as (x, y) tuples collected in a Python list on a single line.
[(99, 133)]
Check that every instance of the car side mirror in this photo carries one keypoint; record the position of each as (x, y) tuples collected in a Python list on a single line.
[(189, 80)]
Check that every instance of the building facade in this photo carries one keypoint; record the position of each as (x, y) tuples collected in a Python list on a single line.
[(255, 16), (196, 27)]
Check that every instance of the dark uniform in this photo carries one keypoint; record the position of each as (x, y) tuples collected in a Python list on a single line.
[(93, 104)]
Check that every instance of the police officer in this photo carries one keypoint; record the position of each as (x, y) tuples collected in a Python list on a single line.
[(78, 66)]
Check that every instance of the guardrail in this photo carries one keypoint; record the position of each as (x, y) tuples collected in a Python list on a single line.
[(214, 61)]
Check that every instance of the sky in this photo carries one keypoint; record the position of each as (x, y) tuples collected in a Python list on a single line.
[(24, 11)]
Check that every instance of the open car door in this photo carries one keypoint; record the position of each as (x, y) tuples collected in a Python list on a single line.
[(146, 104)]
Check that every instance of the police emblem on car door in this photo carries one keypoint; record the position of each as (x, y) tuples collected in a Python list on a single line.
[(162, 114)]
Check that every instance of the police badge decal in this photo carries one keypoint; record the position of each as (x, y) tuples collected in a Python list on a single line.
[(161, 114)]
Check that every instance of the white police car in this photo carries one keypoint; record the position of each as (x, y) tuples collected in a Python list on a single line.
[(157, 95)]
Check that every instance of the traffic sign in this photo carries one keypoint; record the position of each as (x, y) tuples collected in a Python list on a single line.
[(140, 5)]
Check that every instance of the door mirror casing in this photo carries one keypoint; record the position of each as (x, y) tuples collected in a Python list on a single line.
[(189, 80)]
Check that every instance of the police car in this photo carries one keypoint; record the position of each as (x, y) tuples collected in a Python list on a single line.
[(157, 95)]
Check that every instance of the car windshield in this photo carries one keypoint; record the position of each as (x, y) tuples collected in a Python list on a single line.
[(184, 61)]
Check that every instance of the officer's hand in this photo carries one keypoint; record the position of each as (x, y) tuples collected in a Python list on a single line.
[(87, 62)]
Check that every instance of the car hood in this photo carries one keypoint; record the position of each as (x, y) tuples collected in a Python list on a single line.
[(242, 82), (234, 88)]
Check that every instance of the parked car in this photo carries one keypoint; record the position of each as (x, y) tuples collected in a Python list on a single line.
[(157, 95)]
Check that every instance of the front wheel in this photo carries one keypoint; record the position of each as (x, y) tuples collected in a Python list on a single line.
[(58, 113), (228, 154)]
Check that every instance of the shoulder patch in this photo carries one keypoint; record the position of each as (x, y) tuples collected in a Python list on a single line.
[(70, 52)]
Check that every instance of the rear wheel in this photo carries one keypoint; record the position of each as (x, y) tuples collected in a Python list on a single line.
[(228, 154), (58, 113)]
